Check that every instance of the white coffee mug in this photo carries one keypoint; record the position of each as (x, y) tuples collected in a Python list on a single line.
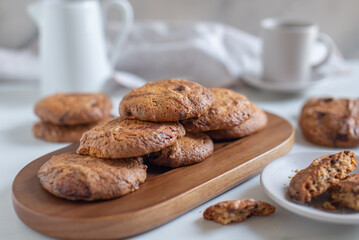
[(73, 51), (287, 49)]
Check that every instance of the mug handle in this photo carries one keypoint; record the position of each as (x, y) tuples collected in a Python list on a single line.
[(126, 11), (328, 42)]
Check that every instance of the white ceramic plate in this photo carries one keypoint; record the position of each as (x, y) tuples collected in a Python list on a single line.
[(275, 181), (254, 79)]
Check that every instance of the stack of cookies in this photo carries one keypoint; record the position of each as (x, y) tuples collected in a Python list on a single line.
[(65, 117), (163, 123)]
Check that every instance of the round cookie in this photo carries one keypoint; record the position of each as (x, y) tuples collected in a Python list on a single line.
[(332, 122), (321, 174), (190, 149), (123, 138), (73, 108), (228, 110), (255, 123), (77, 177), (166, 100), (62, 133)]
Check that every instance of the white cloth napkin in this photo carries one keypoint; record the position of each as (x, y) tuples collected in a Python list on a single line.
[(212, 54)]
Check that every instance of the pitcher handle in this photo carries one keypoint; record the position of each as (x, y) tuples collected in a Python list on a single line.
[(127, 18)]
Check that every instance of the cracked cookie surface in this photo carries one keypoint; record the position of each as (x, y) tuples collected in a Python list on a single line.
[(321, 174), (332, 122), (237, 210), (123, 138), (77, 177), (189, 149), (73, 108), (166, 100), (228, 110)]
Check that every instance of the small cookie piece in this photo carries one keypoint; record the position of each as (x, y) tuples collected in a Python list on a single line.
[(76, 177), (321, 174), (255, 123), (228, 110), (332, 122), (62, 133), (166, 100), (73, 108), (237, 210), (123, 138), (346, 192), (190, 149)]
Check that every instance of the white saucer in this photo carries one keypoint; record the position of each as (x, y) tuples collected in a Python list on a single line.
[(275, 181), (254, 79)]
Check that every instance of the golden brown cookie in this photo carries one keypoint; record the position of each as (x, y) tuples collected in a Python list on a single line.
[(77, 177), (62, 133), (166, 100), (321, 174), (255, 123), (190, 149), (237, 210), (228, 110), (73, 108), (346, 192), (129, 138), (332, 122)]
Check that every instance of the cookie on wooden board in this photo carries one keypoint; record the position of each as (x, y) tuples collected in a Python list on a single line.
[(190, 149), (166, 100), (332, 122), (228, 110), (78, 177), (73, 108), (255, 123), (321, 174), (237, 210), (123, 138)]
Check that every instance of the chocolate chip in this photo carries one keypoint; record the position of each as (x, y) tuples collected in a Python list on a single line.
[(341, 137), (320, 116), (334, 161), (180, 88), (326, 100)]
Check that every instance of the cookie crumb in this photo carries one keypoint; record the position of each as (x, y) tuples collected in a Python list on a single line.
[(237, 210), (328, 206)]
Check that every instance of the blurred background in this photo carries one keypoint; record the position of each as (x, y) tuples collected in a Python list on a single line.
[(337, 18)]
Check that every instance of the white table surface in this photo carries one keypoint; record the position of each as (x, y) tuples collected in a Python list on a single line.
[(18, 147)]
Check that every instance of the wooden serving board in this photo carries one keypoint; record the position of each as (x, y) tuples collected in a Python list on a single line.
[(166, 194)]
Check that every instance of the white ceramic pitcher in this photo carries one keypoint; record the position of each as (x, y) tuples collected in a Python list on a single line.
[(73, 50)]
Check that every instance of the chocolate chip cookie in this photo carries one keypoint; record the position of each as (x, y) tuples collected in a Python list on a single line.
[(255, 123), (166, 100), (73, 108), (62, 133), (77, 177), (346, 192), (237, 210), (228, 110), (332, 122), (190, 149), (321, 174), (121, 138)]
